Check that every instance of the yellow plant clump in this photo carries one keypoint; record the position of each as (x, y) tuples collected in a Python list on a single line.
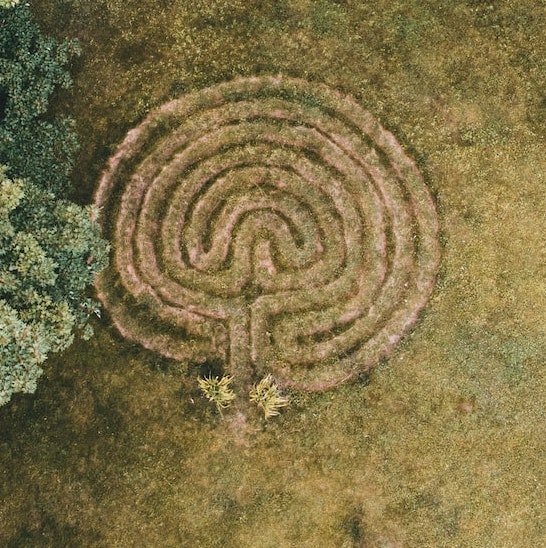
[(266, 395), (217, 390)]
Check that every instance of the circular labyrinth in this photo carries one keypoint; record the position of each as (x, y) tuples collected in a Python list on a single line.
[(271, 223)]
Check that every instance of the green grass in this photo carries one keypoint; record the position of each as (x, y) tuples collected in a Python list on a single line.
[(442, 445)]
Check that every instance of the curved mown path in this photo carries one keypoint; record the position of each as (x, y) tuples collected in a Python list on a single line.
[(269, 222)]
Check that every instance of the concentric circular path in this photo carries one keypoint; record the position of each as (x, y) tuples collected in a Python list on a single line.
[(269, 222)]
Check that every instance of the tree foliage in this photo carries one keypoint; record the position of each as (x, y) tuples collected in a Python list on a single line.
[(8, 3), (36, 146), (50, 251)]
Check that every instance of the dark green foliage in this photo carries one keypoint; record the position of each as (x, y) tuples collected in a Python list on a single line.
[(50, 249), (36, 147), (50, 252)]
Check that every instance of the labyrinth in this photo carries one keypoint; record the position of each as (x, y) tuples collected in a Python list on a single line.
[(269, 223)]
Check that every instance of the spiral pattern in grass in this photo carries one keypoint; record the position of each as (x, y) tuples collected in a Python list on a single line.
[(271, 223)]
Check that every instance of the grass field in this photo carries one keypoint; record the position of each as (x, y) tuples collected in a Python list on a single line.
[(444, 444)]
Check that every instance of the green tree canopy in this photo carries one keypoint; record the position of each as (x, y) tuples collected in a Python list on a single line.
[(8, 3), (50, 252), (36, 146)]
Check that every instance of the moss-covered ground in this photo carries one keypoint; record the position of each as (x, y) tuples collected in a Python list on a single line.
[(442, 445)]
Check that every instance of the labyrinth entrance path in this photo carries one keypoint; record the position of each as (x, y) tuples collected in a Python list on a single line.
[(272, 224)]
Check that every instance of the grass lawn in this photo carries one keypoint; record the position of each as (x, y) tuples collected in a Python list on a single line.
[(443, 444)]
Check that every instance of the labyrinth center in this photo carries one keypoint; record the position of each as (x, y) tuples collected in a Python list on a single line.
[(270, 223)]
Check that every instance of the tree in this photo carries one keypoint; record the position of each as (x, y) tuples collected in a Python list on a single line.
[(36, 146), (50, 252), (8, 3)]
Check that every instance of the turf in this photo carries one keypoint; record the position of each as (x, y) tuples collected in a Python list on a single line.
[(440, 445)]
